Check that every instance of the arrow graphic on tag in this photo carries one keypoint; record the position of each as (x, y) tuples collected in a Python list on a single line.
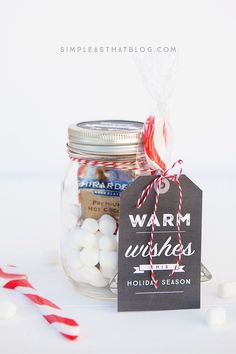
[(146, 267)]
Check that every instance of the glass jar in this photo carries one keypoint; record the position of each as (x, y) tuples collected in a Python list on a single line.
[(106, 156)]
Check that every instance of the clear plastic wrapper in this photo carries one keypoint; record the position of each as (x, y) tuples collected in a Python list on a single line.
[(158, 73)]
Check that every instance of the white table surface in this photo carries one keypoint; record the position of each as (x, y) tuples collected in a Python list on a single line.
[(29, 210)]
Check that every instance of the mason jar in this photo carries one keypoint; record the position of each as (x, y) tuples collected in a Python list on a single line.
[(105, 157)]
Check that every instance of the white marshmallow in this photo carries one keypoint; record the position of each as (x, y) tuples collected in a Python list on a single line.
[(109, 258), (89, 256), (7, 310), (83, 238), (98, 236), (215, 317), (106, 216), (69, 246), (92, 276), (227, 290), (71, 215), (69, 220), (50, 257), (77, 237), (108, 263), (73, 260), (107, 224), (108, 242), (90, 225), (73, 209), (108, 272)]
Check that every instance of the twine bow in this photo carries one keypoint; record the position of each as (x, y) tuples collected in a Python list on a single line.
[(156, 183)]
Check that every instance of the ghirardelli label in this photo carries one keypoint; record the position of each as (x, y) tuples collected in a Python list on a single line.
[(100, 188), (136, 291)]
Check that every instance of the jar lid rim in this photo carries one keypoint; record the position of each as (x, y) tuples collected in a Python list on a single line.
[(105, 137)]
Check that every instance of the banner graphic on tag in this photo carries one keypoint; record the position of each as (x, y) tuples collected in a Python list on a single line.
[(146, 267)]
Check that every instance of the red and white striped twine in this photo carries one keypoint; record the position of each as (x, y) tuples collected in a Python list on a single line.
[(12, 278), (123, 165), (143, 197)]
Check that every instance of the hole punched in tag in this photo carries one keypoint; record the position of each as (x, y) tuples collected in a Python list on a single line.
[(165, 186)]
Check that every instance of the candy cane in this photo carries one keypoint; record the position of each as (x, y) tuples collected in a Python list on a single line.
[(12, 278), (154, 143)]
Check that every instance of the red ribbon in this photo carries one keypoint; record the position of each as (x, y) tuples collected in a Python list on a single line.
[(167, 174)]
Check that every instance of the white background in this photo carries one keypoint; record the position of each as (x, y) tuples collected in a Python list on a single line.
[(42, 91)]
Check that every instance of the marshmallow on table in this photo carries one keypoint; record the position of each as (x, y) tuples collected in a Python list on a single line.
[(92, 276), (90, 225), (107, 224), (227, 290), (215, 316), (7, 310)]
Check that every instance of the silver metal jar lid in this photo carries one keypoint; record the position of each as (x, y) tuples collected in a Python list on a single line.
[(105, 137)]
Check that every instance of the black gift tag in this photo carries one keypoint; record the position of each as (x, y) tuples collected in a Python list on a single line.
[(136, 291)]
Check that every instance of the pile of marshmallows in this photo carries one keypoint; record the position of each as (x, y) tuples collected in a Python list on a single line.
[(90, 254)]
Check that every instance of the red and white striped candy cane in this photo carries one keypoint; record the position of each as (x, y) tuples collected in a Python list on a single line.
[(155, 145), (12, 278)]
